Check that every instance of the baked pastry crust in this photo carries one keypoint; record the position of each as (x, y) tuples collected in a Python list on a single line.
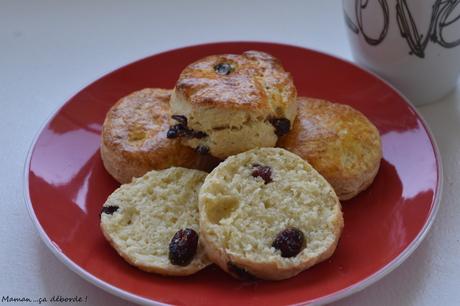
[(250, 84), (339, 142), (134, 138)]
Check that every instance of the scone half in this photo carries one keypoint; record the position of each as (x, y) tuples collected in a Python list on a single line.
[(150, 222), (268, 214)]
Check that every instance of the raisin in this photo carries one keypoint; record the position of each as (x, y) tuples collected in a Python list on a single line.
[(109, 209), (180, 118), (240, 272), (178, 130), (182, 130), (289, 241), (202, 149), (182, 247), (264, 172), (223, 68), (282, 125), (172, 133), (199, 134)]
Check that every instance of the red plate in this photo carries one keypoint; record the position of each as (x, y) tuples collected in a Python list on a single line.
[(66, 186)]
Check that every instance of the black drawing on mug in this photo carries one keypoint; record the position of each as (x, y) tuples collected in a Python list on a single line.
[(354, 28), (444, 23), (361, 5), (442, 10), (440, 20)]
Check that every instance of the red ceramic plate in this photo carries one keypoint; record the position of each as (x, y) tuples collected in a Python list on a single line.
[(66, 185)]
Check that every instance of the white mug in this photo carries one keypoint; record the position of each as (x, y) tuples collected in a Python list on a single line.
[(413, 44)]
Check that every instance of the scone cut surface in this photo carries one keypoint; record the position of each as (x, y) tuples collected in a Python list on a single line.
[(232, 97), (338, 141), (241, 215), (139, 219), (134, 138)]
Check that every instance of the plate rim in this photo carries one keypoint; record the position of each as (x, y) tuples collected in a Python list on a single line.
[(360, 285)]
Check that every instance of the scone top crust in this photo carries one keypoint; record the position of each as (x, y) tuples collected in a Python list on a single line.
[(338, 141), (253, 80), (135, 122)]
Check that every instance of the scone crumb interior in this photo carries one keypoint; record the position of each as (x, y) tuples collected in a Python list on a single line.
[(245, 215), (151, 210)]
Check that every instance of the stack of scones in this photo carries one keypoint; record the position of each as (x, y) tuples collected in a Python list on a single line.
[(278, 165)]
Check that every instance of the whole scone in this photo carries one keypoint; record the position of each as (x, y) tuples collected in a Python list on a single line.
[(339, 142), (227, 104), (134, 138), (268, 214), (153, 222)]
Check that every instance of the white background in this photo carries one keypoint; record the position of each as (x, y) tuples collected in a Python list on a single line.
[(49, 50)]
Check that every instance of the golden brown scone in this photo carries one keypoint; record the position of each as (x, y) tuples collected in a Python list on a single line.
[(228, 104), (267, 213), (134, 138), (339, 142)]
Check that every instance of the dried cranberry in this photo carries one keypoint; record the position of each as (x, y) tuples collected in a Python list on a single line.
[(223, 68), (182, 130), (202, 149), (199, 134), (180, 118), (264, 172), (109, 209), (289, 241), (178, 130), (182, 247), (172, 133), (282, 125), (240, 272)]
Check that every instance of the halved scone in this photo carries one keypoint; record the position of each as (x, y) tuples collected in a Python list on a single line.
[(153, 222), (266, 213)]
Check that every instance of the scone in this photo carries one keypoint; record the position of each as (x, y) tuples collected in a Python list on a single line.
[(339, 142), (268, 214), (153, 222), (228, 104), (134, 138)]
